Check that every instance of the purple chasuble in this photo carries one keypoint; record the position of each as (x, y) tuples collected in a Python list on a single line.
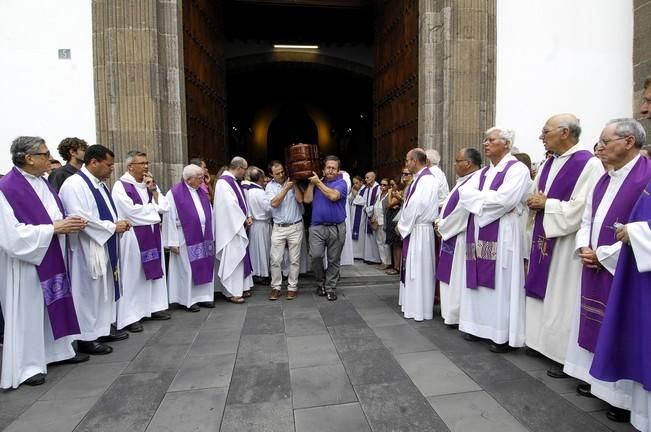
[(595, 283), (444, 268), (542, 248), (481, 256), (149, 239), (405, 241), (52, 273), (373, 198), (623, 348), (357, 217), (200, 244), (248, 267)]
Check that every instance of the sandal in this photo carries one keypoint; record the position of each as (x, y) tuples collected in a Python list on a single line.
[(237, 300), (392, 272)]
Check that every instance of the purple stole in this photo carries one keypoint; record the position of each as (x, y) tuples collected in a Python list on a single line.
[(373, 198), (149, 239), (248, 267), (52, 273), (542, 248), (595, 283), (481, 256), (200, 244), (357, 218), (405, 241), (444, 268), (623, 348)]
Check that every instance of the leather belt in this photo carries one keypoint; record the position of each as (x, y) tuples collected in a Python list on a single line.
[(285, 225)]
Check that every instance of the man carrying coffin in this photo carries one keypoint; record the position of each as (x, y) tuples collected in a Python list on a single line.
[(231, 218), (35, 295), (556, 204), (142, 266), (418, 214), (451, 270), (94, 251), (188, 233)]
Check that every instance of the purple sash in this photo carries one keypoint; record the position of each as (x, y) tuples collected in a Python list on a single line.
[(444, 268), (369, 229), (200, 244), (357, 218), (149, 239), (248, 267), (595, 283), (405, 241), (542, 248), (52, 273), (481, 256)]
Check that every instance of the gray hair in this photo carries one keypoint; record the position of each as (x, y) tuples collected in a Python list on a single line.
[(419, 155), (629, 127), (132, 155), (238, 162), (23, 146), (508, 135), (573, 126), (254, 173), (191, 170), (433, 156)]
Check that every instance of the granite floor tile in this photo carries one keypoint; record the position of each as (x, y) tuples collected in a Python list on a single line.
[(321, 385), (559, 385), (585, 403), (305, 326), (260, 350), (301, 312), (475, 411), (87, 380), (355, 338), (190, 411), (250, 385), (339, 313), (125, 350), (528, 363), (488, 368), (61, 415), (264, 319), (333, 418), (305, 351), (202, 372), (155, 358), (600, 416), (382, 318), (212, 342), (274, 416), (403, 338), (372, 367)]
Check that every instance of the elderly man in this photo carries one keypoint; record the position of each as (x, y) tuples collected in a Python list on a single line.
[(556, 204), (72, 151), (260, 230), (286, 200), (607, 207), (328, 227), (94, 251), (451, 270), (366, 200), (140, 202), (188, 233), (418, 273), (433, 161), (38, 306), (231, 219), (492, 306)]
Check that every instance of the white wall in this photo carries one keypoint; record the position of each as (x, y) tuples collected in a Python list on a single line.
[(40, 94), (558, 56)]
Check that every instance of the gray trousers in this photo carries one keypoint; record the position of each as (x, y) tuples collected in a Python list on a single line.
[(330, 238)]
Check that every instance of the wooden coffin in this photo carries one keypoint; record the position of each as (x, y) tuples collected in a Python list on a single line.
[(301, 160)]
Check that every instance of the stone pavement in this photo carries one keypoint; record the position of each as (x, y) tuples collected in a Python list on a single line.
[(304, 365)]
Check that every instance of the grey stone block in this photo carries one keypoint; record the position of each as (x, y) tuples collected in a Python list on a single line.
[(255, 384), (334, 418), (212, 342), (274, 416), (403, 339), (321, 385), (529, 363), (267, 319), (204, 372), (339, 313), (304, 326), (372, 367), (155, 358), (355, 338), (488, 368), (305, 351), (52, 415), (260, 350), (196, 410), (383, 317), (86, 380)]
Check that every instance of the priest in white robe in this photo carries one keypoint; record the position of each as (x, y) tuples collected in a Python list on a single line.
[(260, 230), (38, 308), (433, 160), (556, 204), (451, 270), (347, 255), (93, 252), (142, 264), (231, 218), (492, 305), (416, 228), (371, 251), (358, 221), (188, 233)]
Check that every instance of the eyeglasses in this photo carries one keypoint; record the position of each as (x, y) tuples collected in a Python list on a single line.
[(139, 163), (406, 174), (47, 153), (546, 131), (605, 142)]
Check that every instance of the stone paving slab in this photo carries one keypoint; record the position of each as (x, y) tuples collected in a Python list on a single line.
[(259, 383), (260, 350), (201, 372), (306, 351), (274, 416), (321, 385), (53, 415), (403, 338), (87, 380), (189, 411), (333, 418)]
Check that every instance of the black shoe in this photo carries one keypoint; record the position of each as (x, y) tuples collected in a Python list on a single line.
[(471, 338), (35, 380), (618, 415), (160, 316), (452, 326), (207, 305), (247, 294), (331, 296), (116, 335), (583, 389), (193, 308), (320, 291), (501, 348), (556, 371), (78, 358), (94, 348), (532, 353), (136, 327)]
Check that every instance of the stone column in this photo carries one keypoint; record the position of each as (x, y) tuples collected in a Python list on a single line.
[(139, 83), (641, 55), (456, 75)]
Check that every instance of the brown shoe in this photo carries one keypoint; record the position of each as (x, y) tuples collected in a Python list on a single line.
[(275, 295), (236, 299), (291, 295)]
